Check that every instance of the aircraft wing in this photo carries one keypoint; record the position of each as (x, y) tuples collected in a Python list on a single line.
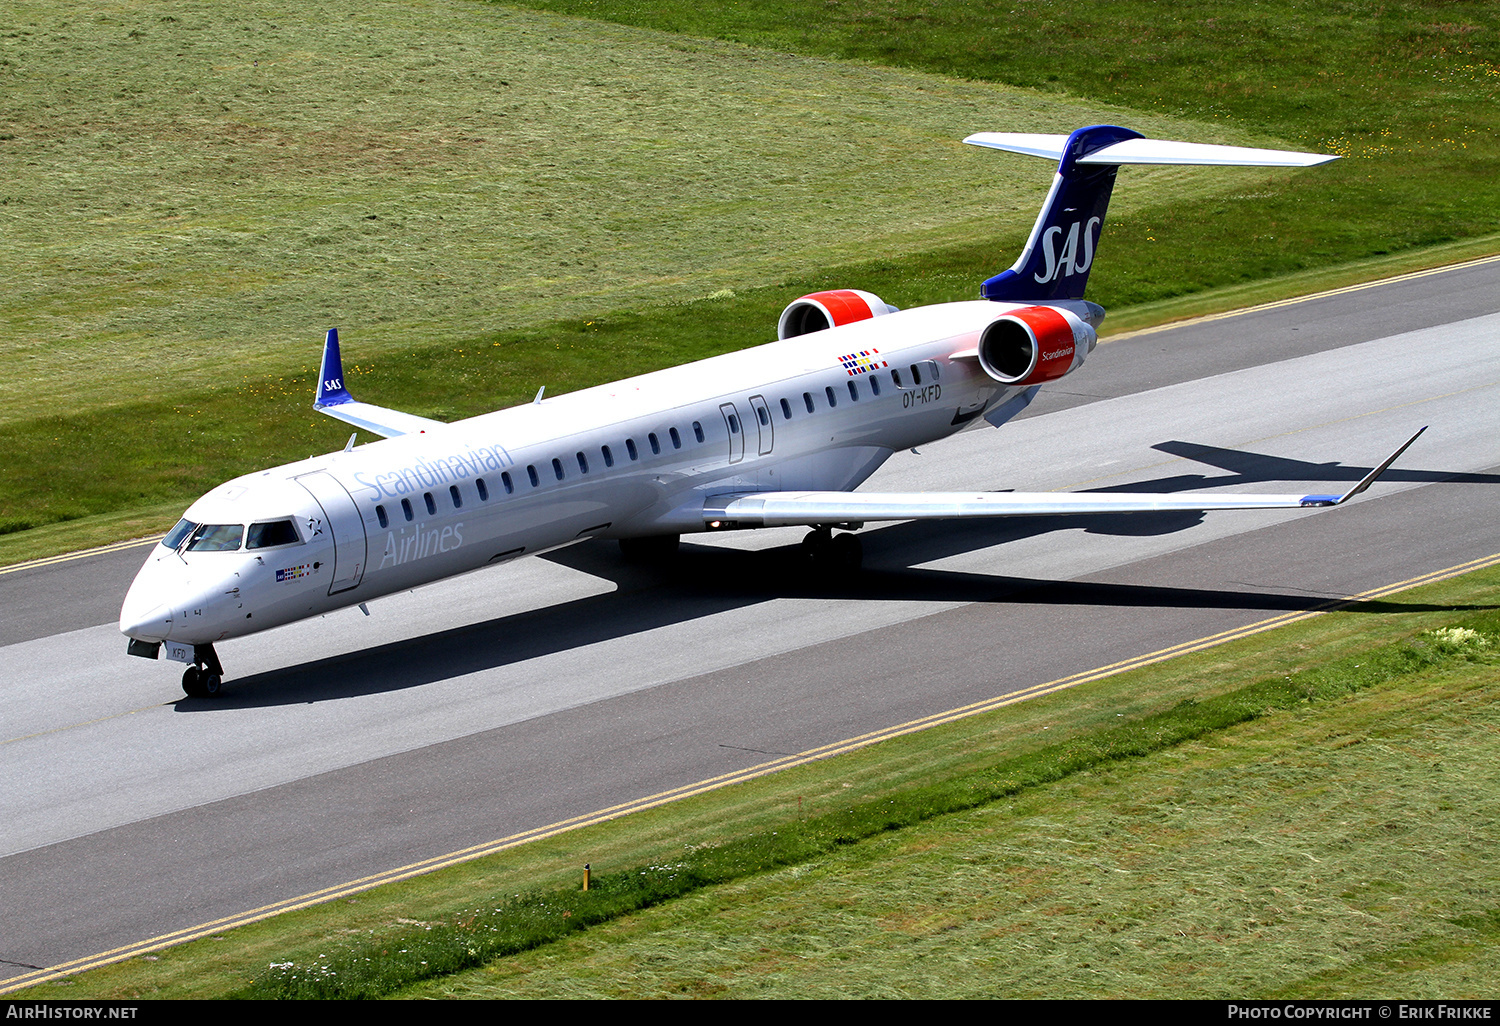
[(378, 420), (782, 509), (334, 400)]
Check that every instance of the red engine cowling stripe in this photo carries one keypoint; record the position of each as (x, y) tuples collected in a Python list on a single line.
[(844, 306), (1055, 342)]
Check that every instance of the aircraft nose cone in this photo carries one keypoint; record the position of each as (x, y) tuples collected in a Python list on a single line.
[(145, 623)]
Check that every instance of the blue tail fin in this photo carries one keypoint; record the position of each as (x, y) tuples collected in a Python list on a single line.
[(1055, 263)]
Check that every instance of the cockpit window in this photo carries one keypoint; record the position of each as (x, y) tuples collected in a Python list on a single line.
[(175, 535), (216, 538), (275, 532)]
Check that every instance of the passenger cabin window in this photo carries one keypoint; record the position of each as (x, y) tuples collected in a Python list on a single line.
[(431, 504), (458, 500), (506, 482), (557, 468), (385, 521), (786, 410), (698, 431), (853, 391), (676, 438), (875, 384), (655, 445), (484, 493), (807, 398), (833, 400), (916, 376), (274, 532), (406, 509), (583, 463), (531, 473), (764, 414), (896, 378), (630, 449), (609, 457), (734, 424), (216, 538)]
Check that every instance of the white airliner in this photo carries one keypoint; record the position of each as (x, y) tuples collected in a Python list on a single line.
[(772, 436)]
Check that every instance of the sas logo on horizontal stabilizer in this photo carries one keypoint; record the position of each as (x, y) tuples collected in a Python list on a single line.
[(1068, 264)]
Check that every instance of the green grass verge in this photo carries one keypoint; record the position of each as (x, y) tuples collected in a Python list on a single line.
[(1291, 814)]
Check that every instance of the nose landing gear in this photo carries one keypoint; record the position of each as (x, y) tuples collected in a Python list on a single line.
[(206, 676)]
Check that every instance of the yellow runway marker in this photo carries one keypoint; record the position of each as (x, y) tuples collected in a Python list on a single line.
[(69, 556)]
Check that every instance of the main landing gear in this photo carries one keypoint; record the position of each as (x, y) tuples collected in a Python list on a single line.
[(826, 550), (658, 548), (206, 676)]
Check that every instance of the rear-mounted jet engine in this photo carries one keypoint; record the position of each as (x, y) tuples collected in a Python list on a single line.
[(822, 310), (1035, 344)]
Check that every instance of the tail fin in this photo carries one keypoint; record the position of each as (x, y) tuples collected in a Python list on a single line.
[(1056, 261)]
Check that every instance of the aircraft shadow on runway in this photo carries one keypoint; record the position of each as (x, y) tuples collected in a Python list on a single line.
[(1256, 468), (706, 580)]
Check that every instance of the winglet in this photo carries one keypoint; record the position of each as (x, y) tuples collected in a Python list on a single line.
[(331, 390), (1367, 481), (334, 400)]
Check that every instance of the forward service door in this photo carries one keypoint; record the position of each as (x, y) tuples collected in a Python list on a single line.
[(342, 520)]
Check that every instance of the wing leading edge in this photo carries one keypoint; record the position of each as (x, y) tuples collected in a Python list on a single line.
[(786, 509)]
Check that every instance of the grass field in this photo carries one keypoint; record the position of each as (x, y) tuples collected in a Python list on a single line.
[(193, 191), (1406, 91), (1303, 813)]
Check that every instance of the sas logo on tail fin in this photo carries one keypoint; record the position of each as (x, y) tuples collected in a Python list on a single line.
[(1069, 263)]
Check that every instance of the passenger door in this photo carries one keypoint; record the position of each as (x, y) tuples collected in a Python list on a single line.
[(345, 524)]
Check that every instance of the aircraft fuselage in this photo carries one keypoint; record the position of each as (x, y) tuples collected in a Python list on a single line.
[(638, 457)]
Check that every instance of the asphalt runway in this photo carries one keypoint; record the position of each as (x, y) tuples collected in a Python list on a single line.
[(550, 688)]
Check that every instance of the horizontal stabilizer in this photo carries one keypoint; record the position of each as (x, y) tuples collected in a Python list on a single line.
[(784, 509), (1148, 151), (334, 400)]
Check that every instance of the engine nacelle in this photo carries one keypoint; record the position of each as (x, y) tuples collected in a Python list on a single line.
[(823, 310), (1034, 344)]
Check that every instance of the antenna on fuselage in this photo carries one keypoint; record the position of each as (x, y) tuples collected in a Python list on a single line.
[(538, 400)]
